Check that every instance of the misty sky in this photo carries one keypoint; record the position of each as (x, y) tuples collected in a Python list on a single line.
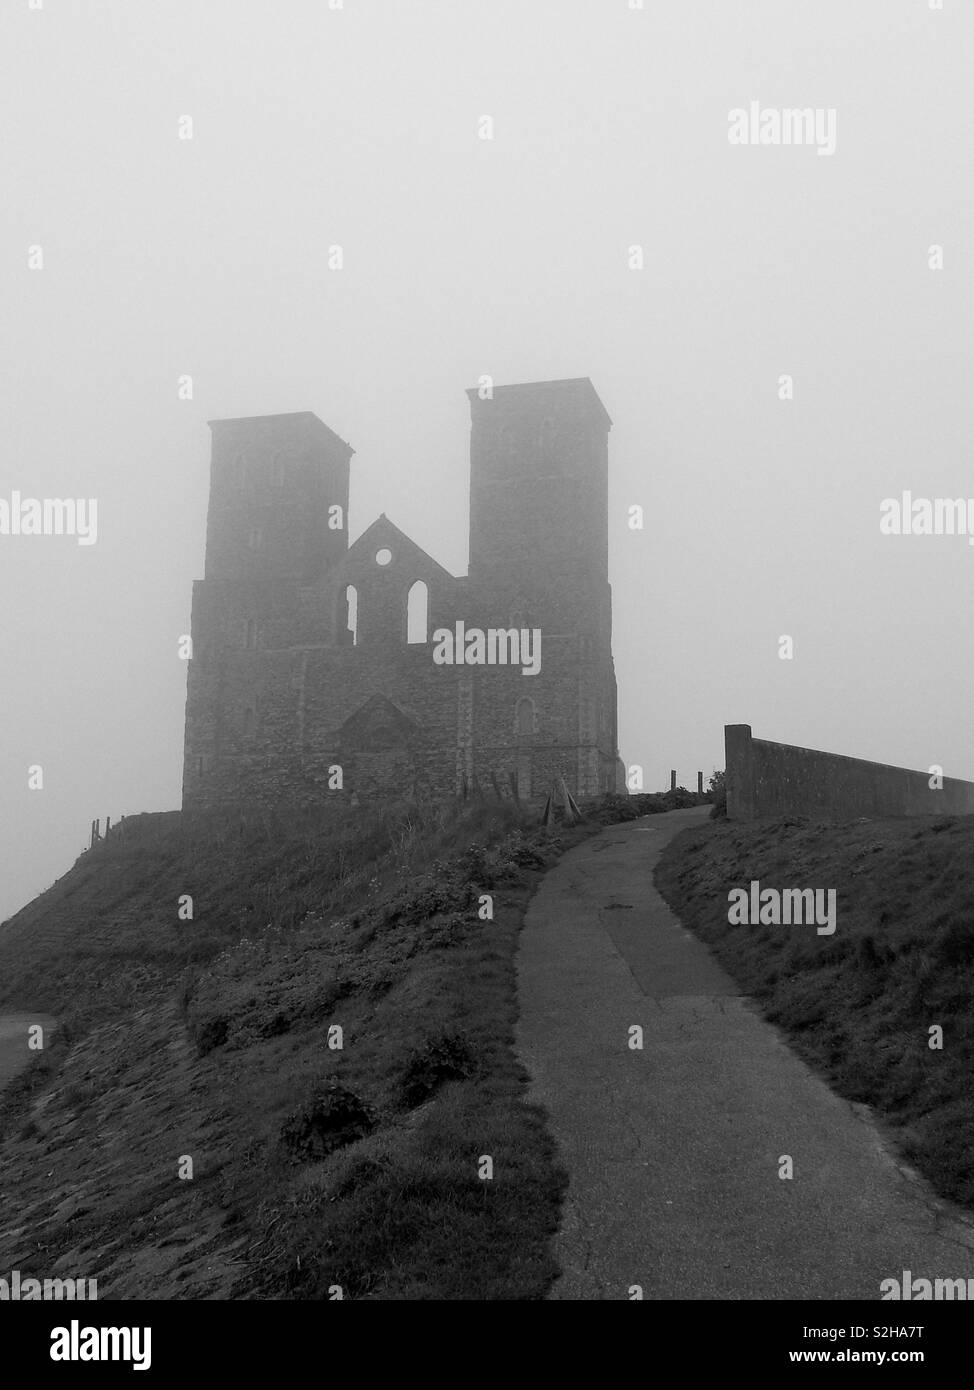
[(509, 257)]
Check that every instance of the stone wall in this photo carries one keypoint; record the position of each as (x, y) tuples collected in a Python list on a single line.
[(280, 691), (778, 779)]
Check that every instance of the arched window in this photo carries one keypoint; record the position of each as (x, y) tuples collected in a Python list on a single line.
[(417, 613), (351, 612), (524, 716), (251, 634)]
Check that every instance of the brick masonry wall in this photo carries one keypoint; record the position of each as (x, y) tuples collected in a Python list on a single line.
[(778, 779)]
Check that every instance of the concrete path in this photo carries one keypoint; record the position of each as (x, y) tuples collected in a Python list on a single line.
[(14, 1053), (673, 1151)]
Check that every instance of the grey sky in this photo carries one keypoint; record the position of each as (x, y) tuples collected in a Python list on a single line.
[(508, 257)]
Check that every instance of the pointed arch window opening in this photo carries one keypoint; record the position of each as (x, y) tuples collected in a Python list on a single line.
[(351, 612), (524, 717), (417, 614)]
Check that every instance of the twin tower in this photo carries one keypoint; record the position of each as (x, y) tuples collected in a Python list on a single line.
[(316, 671)]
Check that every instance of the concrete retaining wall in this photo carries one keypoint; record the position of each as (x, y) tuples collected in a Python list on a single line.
[(778, 779)]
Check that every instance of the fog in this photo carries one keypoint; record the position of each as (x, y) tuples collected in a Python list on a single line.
[(360, 127)]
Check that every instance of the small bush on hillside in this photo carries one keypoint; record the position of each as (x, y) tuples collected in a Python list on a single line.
[(212, 1032), (332, 1117), (444, 1058), (679, 798), (523, 853), (445, 932)]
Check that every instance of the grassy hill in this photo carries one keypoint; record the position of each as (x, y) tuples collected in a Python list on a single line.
[(858, 1005), (213, 1040)]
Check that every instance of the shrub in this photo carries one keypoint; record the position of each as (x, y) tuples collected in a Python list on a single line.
[(443, 1058), (332, 1117), (212, 1032)]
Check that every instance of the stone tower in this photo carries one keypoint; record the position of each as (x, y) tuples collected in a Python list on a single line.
[(313, 671), (277, 522), (539, 557)]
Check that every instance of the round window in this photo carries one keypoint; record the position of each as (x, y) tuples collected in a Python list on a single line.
[(382, 557)]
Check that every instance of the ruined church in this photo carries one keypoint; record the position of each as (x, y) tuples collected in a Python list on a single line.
[(315, 668)]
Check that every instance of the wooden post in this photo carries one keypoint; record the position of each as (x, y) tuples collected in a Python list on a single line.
[(672, 780), (699, 784), (572, 812)]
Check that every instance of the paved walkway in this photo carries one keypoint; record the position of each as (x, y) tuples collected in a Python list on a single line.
[(673, 1151)]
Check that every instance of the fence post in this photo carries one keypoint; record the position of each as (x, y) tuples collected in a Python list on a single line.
[(572, 811)]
